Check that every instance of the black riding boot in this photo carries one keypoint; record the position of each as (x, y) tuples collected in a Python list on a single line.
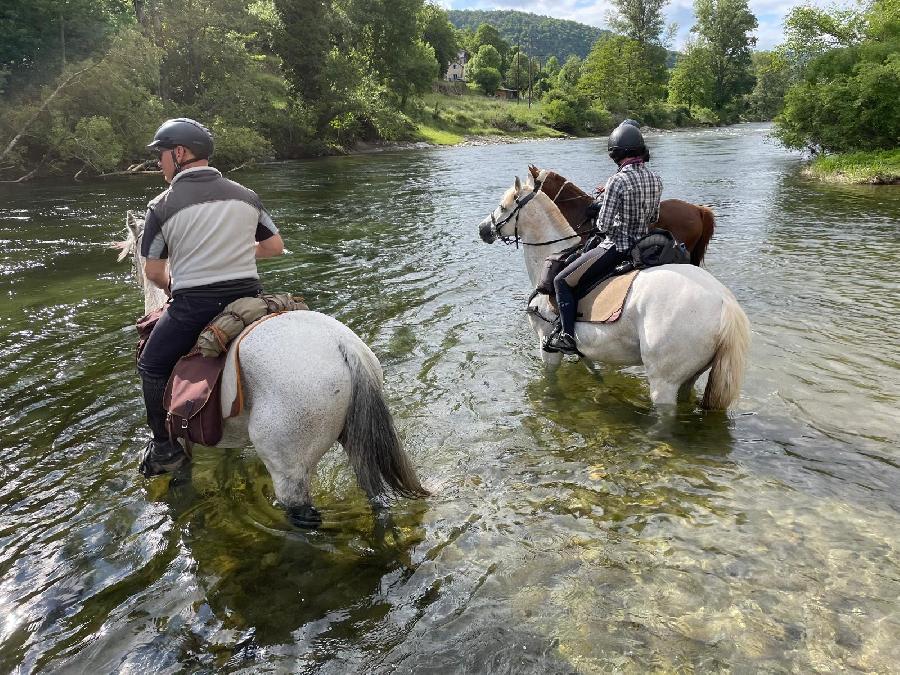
[(162, 454)]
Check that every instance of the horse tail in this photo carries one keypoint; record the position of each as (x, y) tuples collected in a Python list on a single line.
[(729, 359), (708, 218), (369, 436)]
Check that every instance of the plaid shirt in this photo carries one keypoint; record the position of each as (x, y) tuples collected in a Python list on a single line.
[(630, 206)]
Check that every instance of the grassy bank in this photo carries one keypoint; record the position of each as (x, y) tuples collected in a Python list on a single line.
[(880, 167), (447, 119)]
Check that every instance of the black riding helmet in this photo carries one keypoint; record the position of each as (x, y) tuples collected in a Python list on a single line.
[(187, 132), (626, 140)]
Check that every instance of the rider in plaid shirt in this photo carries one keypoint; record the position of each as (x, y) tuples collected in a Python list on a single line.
[(630, 205)]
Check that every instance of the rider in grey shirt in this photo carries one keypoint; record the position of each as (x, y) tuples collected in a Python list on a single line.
[(201, 240)]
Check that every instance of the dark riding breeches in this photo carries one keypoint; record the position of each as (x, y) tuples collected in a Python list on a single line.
[(577, 279)]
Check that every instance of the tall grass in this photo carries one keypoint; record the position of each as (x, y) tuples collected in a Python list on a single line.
[(876, 167)]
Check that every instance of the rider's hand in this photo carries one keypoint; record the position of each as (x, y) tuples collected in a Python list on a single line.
[(600, 189)]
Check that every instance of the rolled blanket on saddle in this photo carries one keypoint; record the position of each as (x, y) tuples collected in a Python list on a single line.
[(236, 316)]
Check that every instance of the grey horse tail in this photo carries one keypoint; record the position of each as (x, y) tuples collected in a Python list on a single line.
[(369, 436)]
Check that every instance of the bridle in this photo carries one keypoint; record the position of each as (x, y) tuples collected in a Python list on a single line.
[(497, 225)]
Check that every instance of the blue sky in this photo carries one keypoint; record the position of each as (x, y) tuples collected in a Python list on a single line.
[(769, 13)]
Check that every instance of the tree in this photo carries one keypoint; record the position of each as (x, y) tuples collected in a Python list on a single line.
[(522, 71), (484, 69), (849, 80), (624, 74), (723, 28), (439, 33), (692, 81), (772, 75), (303, 42), (39, 37), (488, 35), (569, 74), (640, 20)]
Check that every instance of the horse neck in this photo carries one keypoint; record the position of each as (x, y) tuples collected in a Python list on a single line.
[(154, 297), (542, 221)]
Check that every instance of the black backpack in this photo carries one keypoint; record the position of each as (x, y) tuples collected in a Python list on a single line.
[(658, 247)]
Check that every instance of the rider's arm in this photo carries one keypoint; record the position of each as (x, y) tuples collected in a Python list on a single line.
[(270, 247), (157, 271), (268, 242), (612, 200)]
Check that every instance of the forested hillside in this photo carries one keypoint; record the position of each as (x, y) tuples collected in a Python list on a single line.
[(540, 36)]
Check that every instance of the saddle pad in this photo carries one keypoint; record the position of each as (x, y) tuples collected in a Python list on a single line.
[(232, 395), (604, 304)]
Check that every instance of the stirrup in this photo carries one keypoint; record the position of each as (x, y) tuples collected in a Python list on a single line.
[(160, 458), (549, 342), (562, 342)]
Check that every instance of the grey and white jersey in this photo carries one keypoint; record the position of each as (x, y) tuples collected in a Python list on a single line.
[(207, 227)]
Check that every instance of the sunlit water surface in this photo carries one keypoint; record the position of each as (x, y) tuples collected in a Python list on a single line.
[(571, 529)]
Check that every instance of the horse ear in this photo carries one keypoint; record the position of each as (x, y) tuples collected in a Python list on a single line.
[(533, 170), (518, 184)]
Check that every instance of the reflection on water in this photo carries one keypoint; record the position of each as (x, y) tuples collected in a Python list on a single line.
[(572, 529)]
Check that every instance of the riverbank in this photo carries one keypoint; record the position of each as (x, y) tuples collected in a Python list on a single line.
[(453, 119), (880, 167)]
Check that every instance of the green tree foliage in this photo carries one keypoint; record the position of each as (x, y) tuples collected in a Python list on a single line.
[(440, 34), (625, 75), (640, 20), (692, 82), (303, 40), (849, 80), (484, 68), (540, 36), (570, 73), (773, 76), (724, 27), (39, 37), (714, 74)]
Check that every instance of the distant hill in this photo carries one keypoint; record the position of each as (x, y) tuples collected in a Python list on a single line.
[(540, 36)]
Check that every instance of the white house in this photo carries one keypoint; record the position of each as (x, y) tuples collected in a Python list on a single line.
[(456, 71)]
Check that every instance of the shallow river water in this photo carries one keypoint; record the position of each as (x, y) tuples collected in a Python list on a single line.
[(571, 528)]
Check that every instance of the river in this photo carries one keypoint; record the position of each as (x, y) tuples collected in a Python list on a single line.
[(570, 529)]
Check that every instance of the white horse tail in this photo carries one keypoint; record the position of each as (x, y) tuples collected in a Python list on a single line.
[(369, 436), (727, 371)]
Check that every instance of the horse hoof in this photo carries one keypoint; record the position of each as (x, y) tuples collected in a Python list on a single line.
[(305, 516)]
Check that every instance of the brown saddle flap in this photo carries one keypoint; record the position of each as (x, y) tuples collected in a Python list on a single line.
[(192, 399), (604, 303)]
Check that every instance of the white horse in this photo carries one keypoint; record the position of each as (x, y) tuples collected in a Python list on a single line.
[(678, 320), (307, 382)]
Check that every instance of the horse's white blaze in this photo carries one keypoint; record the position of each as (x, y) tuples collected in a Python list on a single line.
[(677, 320)]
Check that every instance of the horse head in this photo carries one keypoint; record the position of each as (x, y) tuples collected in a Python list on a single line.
[(502, 222)]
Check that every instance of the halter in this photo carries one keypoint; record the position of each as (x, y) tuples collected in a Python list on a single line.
[(515, 238)]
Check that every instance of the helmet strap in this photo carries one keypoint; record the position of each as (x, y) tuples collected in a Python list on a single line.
[(180, 166)]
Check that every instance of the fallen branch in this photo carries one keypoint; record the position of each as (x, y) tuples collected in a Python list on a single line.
[(27, 176), (43, 107)]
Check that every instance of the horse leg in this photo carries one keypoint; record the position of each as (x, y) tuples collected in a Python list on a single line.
[(662, 391), (291, 448), (686, 390)]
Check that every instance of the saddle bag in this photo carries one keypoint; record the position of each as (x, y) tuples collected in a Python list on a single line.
[(194, 384), (658, 247), (553, 265)]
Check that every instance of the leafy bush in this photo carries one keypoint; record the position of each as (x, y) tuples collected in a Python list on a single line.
[(237, 145)]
